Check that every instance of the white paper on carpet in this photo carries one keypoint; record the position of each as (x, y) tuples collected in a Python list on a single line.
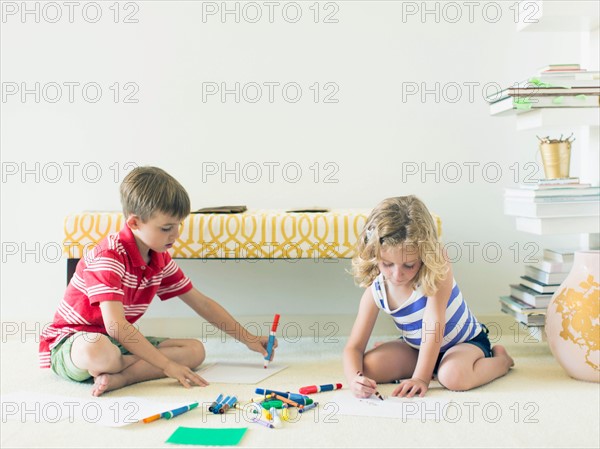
[(27, 406), (238, 373), (426, 408)]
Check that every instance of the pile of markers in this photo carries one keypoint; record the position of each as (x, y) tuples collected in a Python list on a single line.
[(275, 404), (222, 404), (273, 416), (273, 407)]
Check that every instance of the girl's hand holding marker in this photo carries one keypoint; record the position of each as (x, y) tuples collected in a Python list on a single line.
[(365, 387)]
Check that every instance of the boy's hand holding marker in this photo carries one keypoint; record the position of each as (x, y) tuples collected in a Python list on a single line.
[(264, 345), (272, 343), (259, 344)]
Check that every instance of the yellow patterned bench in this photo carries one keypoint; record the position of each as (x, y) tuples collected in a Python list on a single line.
[(255, 234)]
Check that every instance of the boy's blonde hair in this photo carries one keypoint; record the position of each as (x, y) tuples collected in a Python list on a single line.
[(400, 221), (147, 190)]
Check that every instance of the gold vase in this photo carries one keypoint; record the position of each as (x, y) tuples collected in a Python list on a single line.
[(556, 158)]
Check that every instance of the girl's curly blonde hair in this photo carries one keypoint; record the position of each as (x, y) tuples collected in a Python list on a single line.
[(400, 221)]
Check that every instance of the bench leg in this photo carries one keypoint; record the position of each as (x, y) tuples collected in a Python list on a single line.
[(71, 265)]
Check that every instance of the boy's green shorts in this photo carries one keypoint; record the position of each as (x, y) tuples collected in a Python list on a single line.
[(62, 364)]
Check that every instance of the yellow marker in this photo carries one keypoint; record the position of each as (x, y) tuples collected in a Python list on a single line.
[(266, 414), (285, 413)]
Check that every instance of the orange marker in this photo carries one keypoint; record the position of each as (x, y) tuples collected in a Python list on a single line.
[(288, 401), (151, 418)]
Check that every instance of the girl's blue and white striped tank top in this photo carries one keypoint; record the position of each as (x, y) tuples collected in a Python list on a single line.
[(461, 324)]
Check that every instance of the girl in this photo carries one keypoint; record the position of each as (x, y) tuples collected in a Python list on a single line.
[(400, 260)]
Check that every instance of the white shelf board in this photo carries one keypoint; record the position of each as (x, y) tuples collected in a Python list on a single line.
[(558, 15), (558, 117), (558, 225)]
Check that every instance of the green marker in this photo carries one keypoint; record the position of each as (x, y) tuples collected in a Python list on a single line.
[(272, 403)]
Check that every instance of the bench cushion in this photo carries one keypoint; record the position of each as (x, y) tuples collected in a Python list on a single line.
[(255, 234)]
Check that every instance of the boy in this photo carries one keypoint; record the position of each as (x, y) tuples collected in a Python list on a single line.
[(92, 333)]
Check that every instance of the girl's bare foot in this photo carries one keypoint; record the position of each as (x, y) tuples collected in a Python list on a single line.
[(500, 351)]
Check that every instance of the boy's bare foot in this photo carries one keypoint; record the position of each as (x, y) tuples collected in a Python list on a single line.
[(126, 362), (107, 382), (500, 351)]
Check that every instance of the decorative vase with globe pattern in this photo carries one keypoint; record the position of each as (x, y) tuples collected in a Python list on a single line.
[(573, 319)]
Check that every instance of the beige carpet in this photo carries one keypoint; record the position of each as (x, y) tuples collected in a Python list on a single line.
[(535, 405)]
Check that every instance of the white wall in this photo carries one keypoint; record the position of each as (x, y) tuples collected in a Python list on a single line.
[(370, 134)]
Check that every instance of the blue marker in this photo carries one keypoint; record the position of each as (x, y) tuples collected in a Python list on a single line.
[(221, 404), (271, 340), (178, 411), (215, 403), (308, 407), (228, 405), (298, 398)]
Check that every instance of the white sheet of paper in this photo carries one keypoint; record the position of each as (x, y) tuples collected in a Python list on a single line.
[(426, 408), (26, 406), (238, 373), (106, 411)]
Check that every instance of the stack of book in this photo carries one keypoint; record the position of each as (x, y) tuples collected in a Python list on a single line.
[(529, 298), (555, 86), (554, 206)]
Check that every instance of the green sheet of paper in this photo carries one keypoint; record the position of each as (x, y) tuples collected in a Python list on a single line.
[(207, 437)]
